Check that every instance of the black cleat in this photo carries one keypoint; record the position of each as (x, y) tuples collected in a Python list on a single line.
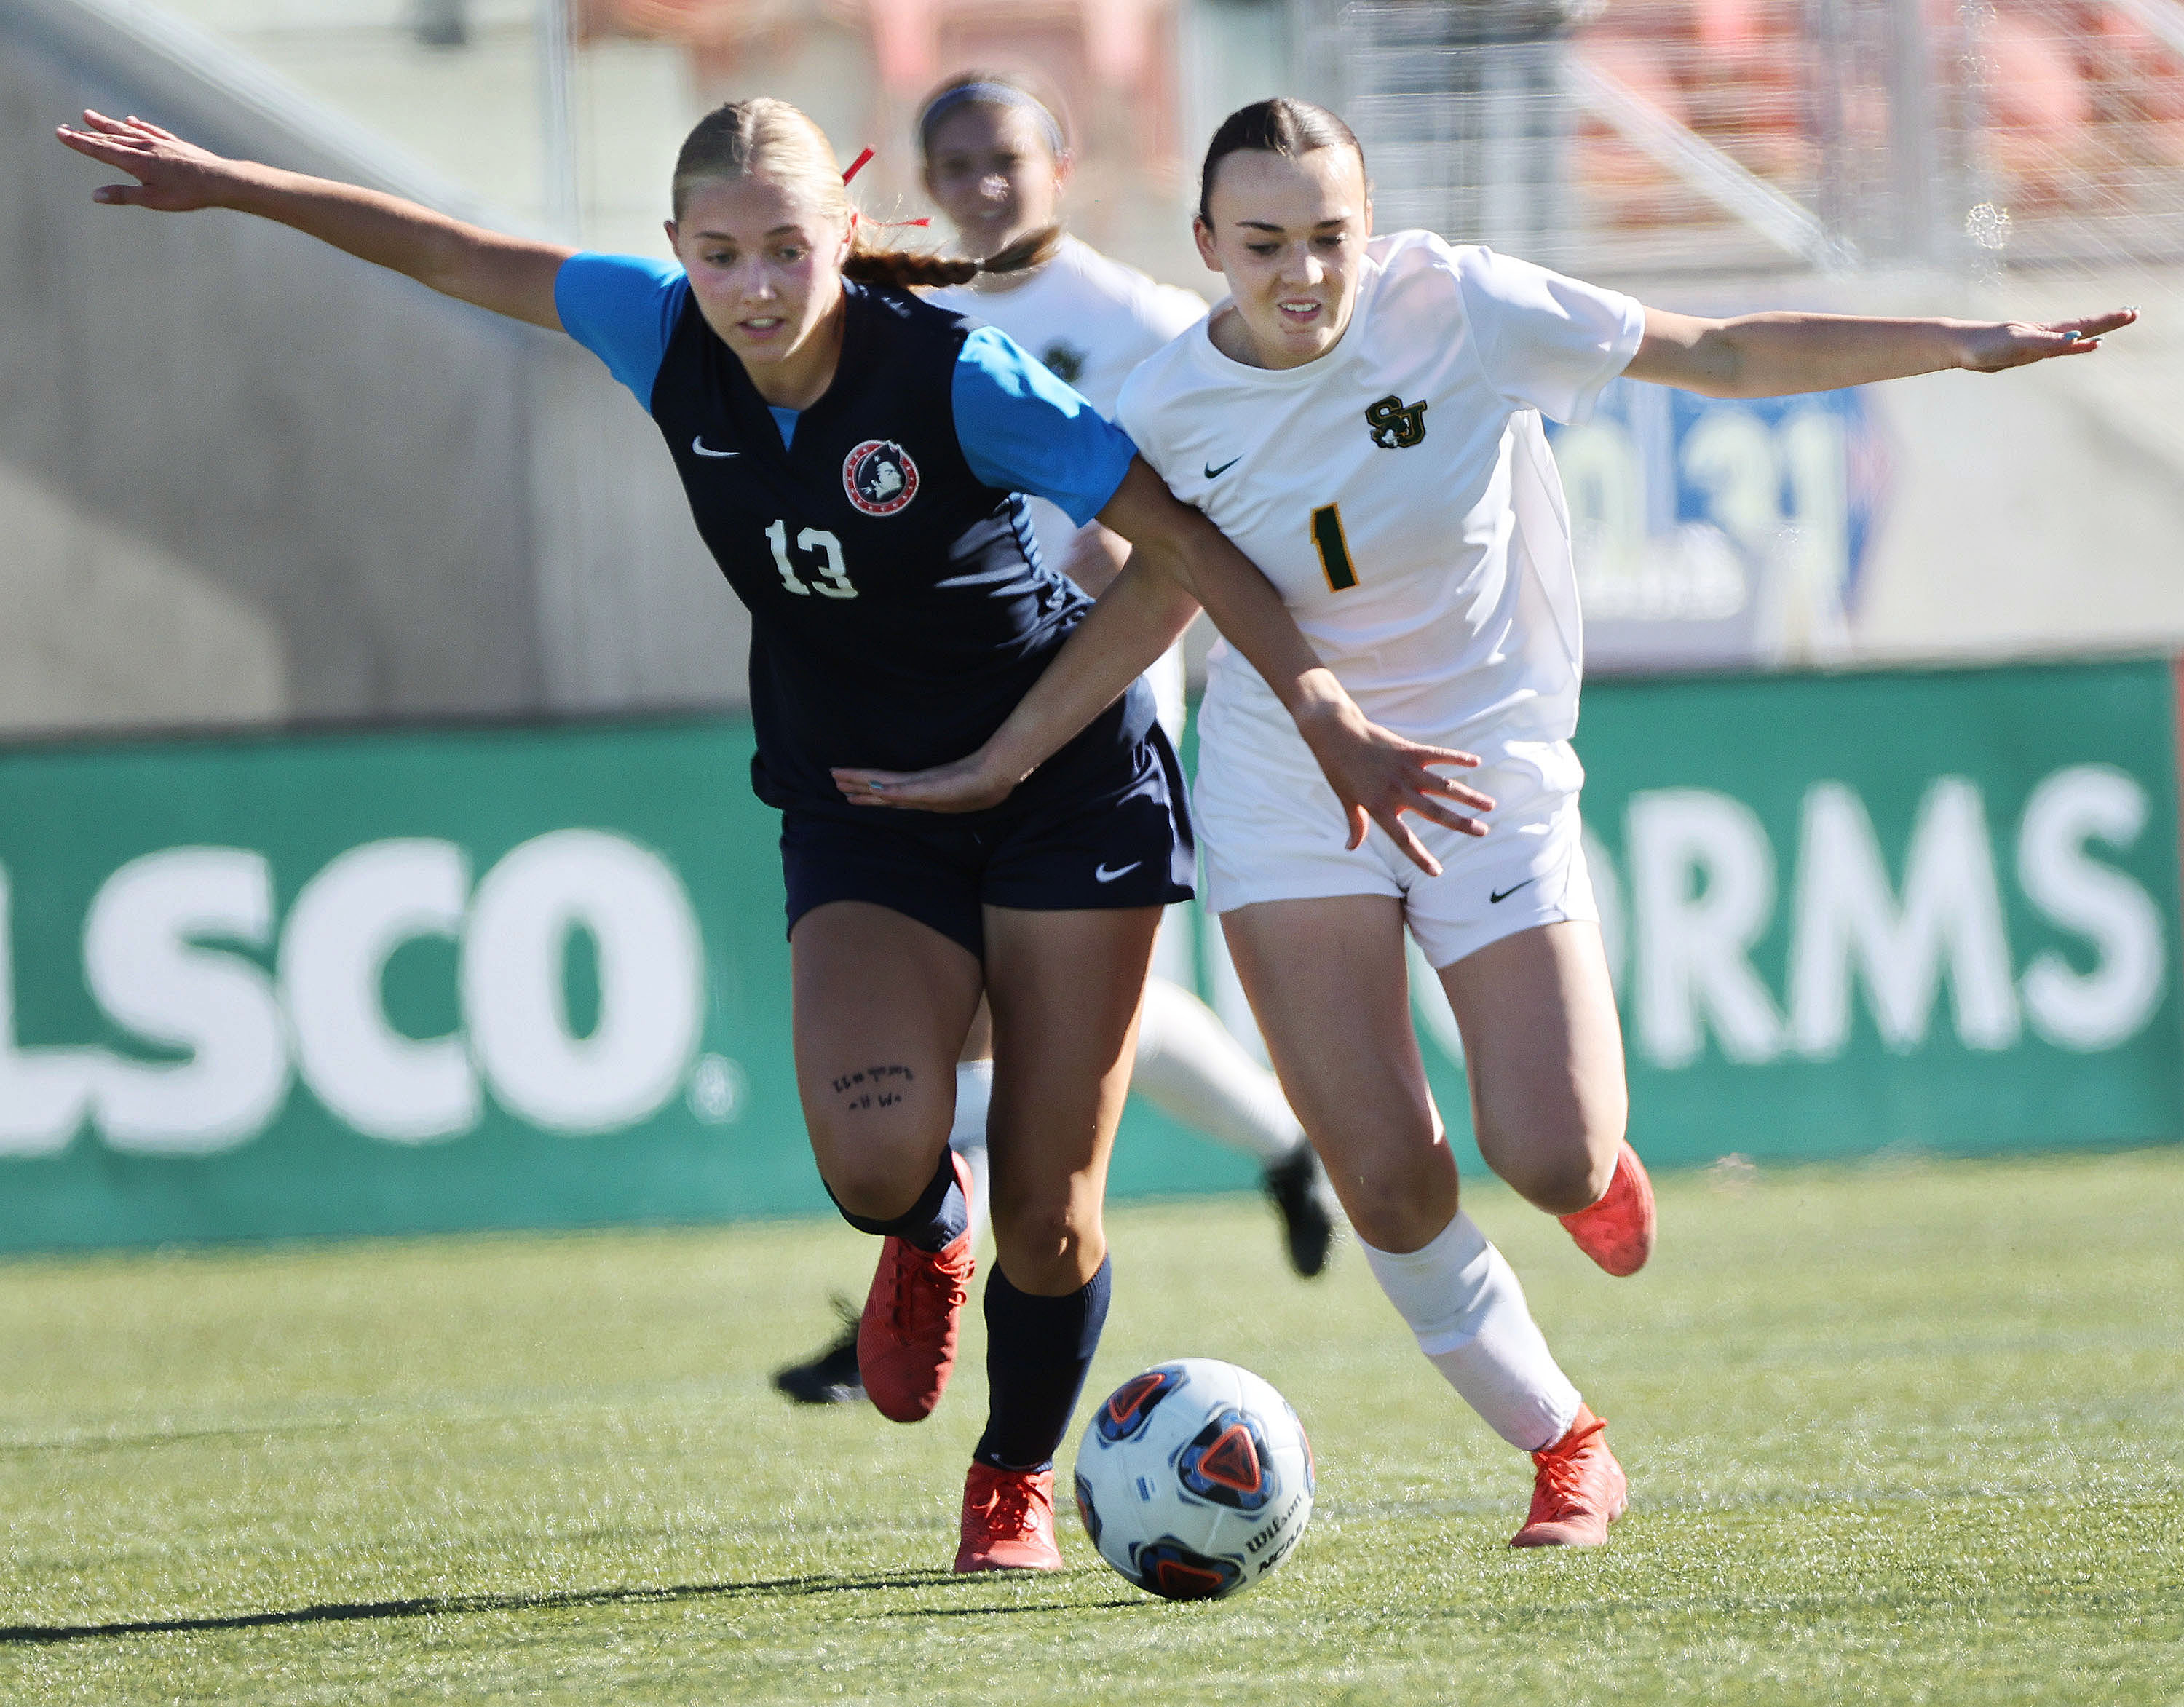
[(831, 1377), (1307, 1203)]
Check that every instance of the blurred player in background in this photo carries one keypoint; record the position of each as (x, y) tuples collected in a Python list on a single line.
[(853, 457), (1362, 416), (996, 159)]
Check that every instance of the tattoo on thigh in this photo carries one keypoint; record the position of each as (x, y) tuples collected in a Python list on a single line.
[(874, 1087)]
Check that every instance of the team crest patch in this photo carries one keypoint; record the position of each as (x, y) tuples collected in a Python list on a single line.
[(879, 476), (1064, 360), (1395, 425)]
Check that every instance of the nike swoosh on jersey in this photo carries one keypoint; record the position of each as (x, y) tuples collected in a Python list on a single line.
[(1496, 899), (1214, 473), (698, 444), (1102, 875)]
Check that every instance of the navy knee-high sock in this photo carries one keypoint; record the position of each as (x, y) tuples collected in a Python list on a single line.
[(935, 1220), (1038, 1350)]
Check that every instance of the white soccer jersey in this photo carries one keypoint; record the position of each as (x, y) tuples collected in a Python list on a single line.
[(1090, 319), (1399, 491)]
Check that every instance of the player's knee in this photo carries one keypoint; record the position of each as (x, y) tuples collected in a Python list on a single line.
[(1044, 1243), (877, 1163), (1561, 1172), (877, 1186), (1398, 1203)]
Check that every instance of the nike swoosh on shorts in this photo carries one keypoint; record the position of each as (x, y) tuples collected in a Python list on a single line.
[(1212, 472), (698, 444), (1100, 874), (1496, 899)]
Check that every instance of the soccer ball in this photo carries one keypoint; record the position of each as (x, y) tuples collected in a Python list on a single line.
[(1195, 1479)]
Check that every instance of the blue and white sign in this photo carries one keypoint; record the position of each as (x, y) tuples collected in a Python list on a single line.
[(1717, 531)]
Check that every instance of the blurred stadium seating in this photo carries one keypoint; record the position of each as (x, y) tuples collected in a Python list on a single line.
[(1653, 137)]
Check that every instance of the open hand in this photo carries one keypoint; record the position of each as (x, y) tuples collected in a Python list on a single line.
[(967, 785), (1992, 348), (172, 176), (1379, 775)]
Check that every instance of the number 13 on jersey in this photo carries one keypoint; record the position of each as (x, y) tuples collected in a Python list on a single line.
[(1333, 550), (832, 577)]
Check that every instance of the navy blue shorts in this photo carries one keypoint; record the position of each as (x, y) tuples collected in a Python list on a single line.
[(1131, 848)]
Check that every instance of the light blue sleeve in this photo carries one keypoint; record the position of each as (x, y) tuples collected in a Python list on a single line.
[(623, 309), (1023, 430)]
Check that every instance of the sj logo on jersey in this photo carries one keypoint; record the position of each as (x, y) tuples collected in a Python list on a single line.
[(1395, 425), (879, 476), (1064, 360)]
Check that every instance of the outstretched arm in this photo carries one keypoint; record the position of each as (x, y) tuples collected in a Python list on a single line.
[(510, 275), (1775, 355), (1179, 561)]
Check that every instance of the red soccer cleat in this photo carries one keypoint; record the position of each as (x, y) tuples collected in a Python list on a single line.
[(1578, 1489), (906, 1336), (1008, 1520), (1617, 1233)]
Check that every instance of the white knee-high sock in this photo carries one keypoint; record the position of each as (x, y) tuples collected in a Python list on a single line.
[(1463, 1303), (1190, 1068), (974, 1095)]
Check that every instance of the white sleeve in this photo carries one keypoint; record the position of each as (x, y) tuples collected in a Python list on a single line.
[(1545, 341), (1173, 310), (1138, 415), (1159, 314)]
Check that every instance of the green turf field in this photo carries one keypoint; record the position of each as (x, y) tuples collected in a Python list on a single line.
[(1902, 1433)]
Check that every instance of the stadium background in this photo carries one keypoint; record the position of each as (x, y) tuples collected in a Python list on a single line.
[(374, 845)]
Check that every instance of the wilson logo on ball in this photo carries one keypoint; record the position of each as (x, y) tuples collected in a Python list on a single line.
[(1130, 1404), (879, 477)]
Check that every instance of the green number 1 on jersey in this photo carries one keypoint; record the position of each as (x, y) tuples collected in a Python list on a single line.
[(1333, 550)]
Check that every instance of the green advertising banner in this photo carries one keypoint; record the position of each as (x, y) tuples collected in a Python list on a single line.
[(537, 977), (1933, 909), (405, 983)]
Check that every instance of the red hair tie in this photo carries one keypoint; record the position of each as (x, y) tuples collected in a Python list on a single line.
[(858, 165)]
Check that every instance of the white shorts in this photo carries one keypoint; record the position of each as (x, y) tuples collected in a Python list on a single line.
[(1271, 830)]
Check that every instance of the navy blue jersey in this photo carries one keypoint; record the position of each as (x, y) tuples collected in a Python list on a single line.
[(900, 608)]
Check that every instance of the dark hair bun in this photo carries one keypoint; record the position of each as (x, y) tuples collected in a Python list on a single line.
[(1279, 126)]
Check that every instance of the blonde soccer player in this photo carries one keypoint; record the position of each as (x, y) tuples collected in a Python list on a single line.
[(996, 158), (1362, 416)]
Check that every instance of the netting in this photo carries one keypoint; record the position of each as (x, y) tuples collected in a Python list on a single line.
[(1667, 136)]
